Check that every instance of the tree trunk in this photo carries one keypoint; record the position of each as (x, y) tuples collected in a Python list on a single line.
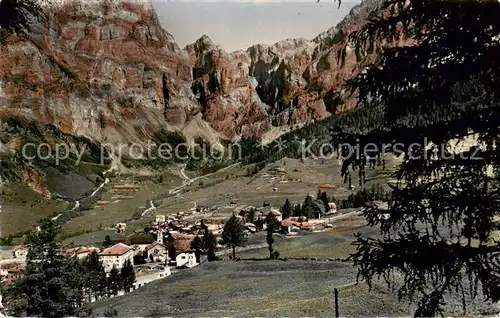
[(234, 252)]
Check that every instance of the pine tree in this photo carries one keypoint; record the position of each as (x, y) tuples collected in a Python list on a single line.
[(107, 241), (308, 207), (209, 243), (234, 233), (273, 225), (114, 282), (324, 198), (286, 210), (441, 89), (52, 284), (127, 275), (297, 210), (95, 276), (197, 245)]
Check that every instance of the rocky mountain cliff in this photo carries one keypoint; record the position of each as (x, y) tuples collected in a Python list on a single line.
[(106, 72), (294, 81)]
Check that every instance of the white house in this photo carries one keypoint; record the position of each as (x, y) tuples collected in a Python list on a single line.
[(116, 256), (332, 207), (20, 252), (186, 259), (263, 212)]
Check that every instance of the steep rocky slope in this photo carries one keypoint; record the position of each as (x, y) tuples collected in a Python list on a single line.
[(296, 80), (98, 70), (106, 72)]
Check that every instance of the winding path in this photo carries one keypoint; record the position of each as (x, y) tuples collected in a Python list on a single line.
[(187, 181)]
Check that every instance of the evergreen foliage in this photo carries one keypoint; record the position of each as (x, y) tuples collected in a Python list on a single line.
[(324, 198), (443, 206), (52, 284), (107, 242), (127, 275), (234, 233), (198, 246), (95, 277), (286, 209), (364, 196), (273, 225), (114, 282)]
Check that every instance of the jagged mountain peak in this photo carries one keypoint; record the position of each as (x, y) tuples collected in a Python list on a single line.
[(286, 44), (201, 46), (284, 49), (325, 34), (205, 42), (107, 70)]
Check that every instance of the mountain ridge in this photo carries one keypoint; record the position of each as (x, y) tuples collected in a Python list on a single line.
[(107, 72)]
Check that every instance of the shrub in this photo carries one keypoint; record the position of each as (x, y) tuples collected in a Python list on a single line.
[(110, 312)]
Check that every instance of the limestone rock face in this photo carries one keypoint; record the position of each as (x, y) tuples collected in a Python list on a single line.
[(97, 69), (107, 71), (226, 95), (291, 82)]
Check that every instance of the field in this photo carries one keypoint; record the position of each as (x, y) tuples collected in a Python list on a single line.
[(22, 208), (233, 184), (265, 288), (297, 180), (93, 238), (101, 217), (311, 245)]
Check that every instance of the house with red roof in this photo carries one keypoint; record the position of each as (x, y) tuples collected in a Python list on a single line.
[(10, 272), (179, 249), (80, 252), (116, 256)]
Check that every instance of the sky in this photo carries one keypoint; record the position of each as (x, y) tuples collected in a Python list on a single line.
[(239, 24)]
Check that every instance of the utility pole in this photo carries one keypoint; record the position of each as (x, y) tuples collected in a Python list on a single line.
[(336, 294)]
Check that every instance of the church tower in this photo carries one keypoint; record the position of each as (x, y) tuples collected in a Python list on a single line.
[(159, 236)]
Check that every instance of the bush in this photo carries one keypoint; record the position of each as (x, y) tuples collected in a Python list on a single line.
[(141, 239), (275, 255), (110, 312)]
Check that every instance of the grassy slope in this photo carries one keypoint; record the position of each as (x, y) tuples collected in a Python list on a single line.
[(263, 288), (217, 190), (101, 217), (23, 207), (319, 245), (273, 288)]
